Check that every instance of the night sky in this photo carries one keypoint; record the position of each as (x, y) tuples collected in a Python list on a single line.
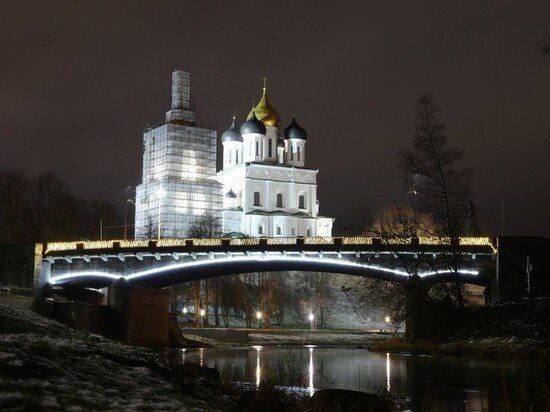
[(80, 80)]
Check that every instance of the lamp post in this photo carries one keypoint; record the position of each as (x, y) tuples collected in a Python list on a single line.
[(259, 317), (128, 200), (311, 318), (203, 312), (160, 194), (388, 321)]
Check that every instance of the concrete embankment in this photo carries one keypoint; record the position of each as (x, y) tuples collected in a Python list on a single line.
[(236, 337)]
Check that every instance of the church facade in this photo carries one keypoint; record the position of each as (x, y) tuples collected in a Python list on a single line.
[(268, 190), (263, 190)]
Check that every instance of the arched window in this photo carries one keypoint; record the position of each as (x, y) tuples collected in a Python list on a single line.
[(237, 156), (230, 157), (270, 149), (279, 200), (308, 233), (293, 232), (257, 148), (279, 230), (298, 149), (260, 230), (257, 199), (301, 202), (291, 152)]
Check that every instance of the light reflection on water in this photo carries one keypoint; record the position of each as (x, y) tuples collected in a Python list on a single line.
[(427, 382)]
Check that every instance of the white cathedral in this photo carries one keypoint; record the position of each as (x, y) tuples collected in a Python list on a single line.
[(263, 190)]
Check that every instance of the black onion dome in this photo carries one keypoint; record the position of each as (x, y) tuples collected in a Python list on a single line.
[(294, 131), (231, 194), (232, 134), (253, 125)]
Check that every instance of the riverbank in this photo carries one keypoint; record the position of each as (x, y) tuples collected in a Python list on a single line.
[(474, 348), (515, 329), (316, 337), (46, 365), (221, 337)]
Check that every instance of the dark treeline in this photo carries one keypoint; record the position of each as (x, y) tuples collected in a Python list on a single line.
[(42, 207)]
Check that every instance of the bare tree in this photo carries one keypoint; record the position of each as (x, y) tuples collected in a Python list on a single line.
[(43, 208), (205, 291), (401, 221), (14, 184), (205, 226), (394, 223), (435, 173)]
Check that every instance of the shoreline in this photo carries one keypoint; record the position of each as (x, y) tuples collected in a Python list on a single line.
[(488, 348)]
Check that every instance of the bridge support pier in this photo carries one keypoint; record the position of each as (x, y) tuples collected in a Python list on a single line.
[(42, 270), (145, 313), (423, 322)]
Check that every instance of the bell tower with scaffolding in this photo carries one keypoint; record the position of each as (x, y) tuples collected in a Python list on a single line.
[(179, 171)]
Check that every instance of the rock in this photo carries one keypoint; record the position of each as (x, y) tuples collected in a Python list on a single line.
[(330, 400)]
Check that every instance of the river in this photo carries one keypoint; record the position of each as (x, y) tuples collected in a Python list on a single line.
[(417, 382)]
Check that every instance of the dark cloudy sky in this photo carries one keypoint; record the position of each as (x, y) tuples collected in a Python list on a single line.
[(79, 80)]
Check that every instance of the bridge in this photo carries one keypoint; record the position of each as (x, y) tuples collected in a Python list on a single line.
[(136, 309), (164, 262)]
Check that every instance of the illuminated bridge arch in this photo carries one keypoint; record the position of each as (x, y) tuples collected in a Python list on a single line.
[(184, 272)]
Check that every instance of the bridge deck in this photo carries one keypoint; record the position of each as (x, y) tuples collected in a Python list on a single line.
[(395, 245)]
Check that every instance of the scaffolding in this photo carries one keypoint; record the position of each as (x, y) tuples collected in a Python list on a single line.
[(179, 171)]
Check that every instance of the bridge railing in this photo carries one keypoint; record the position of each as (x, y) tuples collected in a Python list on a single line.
[(59, 247)]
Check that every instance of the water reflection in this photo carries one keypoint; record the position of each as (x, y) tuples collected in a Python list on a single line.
[(311, 389), (427, 382), (201, 356), (388, 386), (258, 369)]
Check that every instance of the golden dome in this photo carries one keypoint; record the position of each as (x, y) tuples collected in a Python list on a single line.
[(265, 112)]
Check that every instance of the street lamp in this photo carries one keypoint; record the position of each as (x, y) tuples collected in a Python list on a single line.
[(160, 194), (203, 312), (184, 310), (311, 318), (389, 322), (259, 317), (128, 200)]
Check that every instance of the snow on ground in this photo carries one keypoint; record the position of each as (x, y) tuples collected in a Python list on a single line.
[(46, 365), (314, 338)]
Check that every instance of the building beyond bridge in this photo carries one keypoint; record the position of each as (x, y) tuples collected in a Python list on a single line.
[(264, 188), (179, 168)]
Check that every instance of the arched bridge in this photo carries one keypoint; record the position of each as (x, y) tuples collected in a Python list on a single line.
[(165, 262)]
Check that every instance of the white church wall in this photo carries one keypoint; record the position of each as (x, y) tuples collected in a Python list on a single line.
[(295, 152), (232, 221), (324, 226), (285, 224), (307, 227), (258, 225)]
